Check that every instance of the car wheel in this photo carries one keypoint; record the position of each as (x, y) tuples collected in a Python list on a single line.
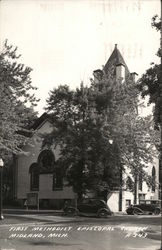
[(129, 213), (157, 211), (103, 213)]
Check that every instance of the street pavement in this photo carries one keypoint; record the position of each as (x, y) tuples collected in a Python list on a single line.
[(46, 230)]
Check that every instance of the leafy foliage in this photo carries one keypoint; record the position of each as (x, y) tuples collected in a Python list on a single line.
[(86, 120), (150, 85), (150, 82), (16, 101)]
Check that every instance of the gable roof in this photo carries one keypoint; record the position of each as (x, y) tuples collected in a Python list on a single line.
[(37, 123), (114, 60), (44, 117)]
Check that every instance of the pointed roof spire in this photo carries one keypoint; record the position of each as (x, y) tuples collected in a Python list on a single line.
[(114, 60)]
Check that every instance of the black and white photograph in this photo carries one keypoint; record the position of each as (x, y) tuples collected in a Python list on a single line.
[(80, 124)]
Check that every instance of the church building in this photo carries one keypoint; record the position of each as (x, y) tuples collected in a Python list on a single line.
[(38, 179)]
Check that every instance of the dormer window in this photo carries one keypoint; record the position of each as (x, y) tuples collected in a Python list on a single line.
[(120, 72), (134, 76), (98, 74)]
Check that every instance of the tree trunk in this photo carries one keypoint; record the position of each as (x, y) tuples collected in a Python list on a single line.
[(136, 189)]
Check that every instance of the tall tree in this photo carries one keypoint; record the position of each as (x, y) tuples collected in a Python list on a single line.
[(78, 132), (86, 120), (150, 84), (16, 101)]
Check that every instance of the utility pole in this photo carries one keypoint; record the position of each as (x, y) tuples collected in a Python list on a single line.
[(120, 187)]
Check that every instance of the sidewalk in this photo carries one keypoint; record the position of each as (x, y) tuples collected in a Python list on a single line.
[(31, 211), (42, 211)]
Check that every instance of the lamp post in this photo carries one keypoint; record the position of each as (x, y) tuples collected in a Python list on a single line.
[(1, 172)]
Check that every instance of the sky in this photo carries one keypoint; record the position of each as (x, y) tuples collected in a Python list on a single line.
[(64, 41)]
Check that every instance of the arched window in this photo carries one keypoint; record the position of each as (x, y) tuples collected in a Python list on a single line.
[(46, 162), (34, 177), (153, 178)]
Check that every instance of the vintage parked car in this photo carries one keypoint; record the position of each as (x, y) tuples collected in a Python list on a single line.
[(143, 209), (91, 207)]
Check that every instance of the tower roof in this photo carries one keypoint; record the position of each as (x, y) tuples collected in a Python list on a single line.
[(114, 60)]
